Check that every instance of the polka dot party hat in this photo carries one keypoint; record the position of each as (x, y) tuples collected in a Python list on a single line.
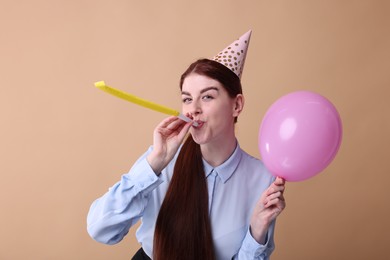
[(233, 56)]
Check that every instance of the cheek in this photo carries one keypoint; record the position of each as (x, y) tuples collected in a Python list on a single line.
[(185, 111), (221, 120), (224, 113)]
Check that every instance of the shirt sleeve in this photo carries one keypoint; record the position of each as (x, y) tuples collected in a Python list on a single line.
[(111, 216), (252, 250)]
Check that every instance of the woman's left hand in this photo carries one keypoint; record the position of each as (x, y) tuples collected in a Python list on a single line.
[(269, 206)]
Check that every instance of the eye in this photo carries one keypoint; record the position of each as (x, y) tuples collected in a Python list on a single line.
[(207, 97), (186, 100)]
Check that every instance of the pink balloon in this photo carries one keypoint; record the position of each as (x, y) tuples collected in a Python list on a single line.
[(300, 135)]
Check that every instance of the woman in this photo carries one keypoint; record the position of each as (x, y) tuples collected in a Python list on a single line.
[(205, 199)]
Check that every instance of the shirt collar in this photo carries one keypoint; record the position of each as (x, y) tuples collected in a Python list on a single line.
[(226, 169)]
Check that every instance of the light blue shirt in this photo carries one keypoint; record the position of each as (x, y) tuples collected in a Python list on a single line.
[(234, 188)]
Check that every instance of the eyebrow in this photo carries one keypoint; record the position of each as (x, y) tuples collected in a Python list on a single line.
[(202, 91)]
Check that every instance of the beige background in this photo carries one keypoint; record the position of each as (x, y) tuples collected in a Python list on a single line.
[(64, 142)]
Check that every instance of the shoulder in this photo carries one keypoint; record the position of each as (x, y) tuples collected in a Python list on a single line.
[(250, 160), (254, 167)]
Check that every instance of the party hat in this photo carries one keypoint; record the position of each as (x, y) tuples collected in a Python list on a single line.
[(233, 56)]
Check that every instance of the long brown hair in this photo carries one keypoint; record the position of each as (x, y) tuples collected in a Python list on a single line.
[(183, 229)]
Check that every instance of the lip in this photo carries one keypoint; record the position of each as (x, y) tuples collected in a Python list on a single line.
[(199, 124)]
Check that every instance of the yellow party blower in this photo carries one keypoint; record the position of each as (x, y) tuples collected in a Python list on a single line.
[(142, 102)]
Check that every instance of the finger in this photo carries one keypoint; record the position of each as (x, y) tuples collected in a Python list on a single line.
[(175, 123), (184, 130), (189, 115), (176, 126), (167, 121), (273, 196), (170, 125), (279, 181), (271, 202), (275, 202), (275, 188)]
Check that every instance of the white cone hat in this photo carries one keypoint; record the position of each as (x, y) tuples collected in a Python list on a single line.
[(233, 56)]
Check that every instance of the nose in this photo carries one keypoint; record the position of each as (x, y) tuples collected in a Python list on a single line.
[(195, 109)]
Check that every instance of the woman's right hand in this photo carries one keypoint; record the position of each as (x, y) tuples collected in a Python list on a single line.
[(167, 138)]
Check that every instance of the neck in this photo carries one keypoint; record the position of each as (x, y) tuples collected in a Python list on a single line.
[(216, 154)]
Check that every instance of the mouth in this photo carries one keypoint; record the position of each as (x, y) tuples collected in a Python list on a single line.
[(198, 124)]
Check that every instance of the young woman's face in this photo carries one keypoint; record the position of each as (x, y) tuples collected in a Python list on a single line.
[(207, 102)]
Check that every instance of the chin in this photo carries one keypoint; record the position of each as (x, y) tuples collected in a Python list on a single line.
[(198, 139)]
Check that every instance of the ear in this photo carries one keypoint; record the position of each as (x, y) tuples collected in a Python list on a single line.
[(238, 105)]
